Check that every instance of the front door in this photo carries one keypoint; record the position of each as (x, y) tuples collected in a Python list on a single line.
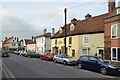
[(100, 52)]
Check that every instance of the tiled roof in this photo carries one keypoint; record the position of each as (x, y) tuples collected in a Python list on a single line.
[(8, 40), (91, 25), (45, 35), (32, 41), (26, 41)]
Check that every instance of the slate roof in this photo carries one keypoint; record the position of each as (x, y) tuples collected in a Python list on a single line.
[(44, 35)]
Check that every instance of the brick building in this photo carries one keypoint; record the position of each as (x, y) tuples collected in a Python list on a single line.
[(112, 33)]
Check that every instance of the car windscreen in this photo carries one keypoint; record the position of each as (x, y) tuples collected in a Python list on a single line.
[(5, 53), (65, 56), (48, 54), (102, 60)]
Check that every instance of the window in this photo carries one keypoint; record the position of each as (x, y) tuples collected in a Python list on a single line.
[(60, 30), (72, 27), (42, 49), (115, 31), (56, 42), (70, 40), (42, 40), (84, 58), (118, 11), (85, 39), (85, 51), (13, 44), (73, 53), (92, 59), (115, 56)]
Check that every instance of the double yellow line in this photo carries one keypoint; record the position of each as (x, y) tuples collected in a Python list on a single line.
[(9, 72)]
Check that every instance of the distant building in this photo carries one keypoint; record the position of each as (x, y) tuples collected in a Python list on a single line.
[(43, 42), (23, 44), (31, 45), (10, 44)]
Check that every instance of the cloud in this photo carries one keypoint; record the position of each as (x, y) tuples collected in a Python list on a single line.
[(13, 26), (53, 0)]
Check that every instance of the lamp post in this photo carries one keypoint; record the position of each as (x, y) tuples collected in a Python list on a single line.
[(65, 10)]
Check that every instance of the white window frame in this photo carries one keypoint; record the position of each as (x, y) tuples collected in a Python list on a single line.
[(116, 54), (118, 11), (72, 27), (84, 39), (60, 31), (116, 31), (87, 51)]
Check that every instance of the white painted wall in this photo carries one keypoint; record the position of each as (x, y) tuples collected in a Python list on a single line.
[(43, 44)]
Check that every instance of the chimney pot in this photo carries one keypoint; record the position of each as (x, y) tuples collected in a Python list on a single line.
[(88, 16), (73, 20)]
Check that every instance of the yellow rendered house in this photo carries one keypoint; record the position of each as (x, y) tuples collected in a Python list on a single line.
[(84, 37)]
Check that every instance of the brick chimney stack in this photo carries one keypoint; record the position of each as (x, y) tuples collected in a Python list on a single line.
[(73, 20), (88, 16), (111, 6), (53, 31), (44, 31)]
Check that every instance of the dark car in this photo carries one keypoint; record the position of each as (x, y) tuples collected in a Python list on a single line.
[(32, 54), (98, 64), (5, 54), (46, 56)]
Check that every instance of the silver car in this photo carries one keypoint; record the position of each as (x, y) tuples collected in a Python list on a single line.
[(64, 59)]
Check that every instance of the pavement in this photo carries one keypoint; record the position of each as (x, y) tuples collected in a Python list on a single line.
[(21, 67)]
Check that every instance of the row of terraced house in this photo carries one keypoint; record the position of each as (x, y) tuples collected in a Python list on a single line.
[(95, 35)]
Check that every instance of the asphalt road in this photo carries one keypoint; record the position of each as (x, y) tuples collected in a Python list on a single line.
[(22, 67)]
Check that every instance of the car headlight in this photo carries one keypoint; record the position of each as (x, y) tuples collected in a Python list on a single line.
[(112, 66)]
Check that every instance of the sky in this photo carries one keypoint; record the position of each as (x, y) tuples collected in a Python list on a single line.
[(27, 18)]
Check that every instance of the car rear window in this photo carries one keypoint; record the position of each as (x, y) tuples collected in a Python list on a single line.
[(84, 58)]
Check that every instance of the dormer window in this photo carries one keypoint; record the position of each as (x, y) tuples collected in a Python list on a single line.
[(60, 30), (118, 11), (72, 26)]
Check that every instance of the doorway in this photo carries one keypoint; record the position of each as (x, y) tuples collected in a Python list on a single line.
[(100, 52)]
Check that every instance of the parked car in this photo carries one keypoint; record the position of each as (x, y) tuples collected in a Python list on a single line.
[(46, 56), (64, 59), (33, 54), (4, 54), (17, 52), (22, 53), (27, 53), (11, 51), (98, 64)]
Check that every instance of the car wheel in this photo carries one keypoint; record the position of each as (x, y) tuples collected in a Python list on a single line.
[(79, 65), (55, 61), (64, 62), (29, 56), (47, 59), (103, 70)]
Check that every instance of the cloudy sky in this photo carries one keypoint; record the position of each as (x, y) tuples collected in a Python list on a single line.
[(26, 18)]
